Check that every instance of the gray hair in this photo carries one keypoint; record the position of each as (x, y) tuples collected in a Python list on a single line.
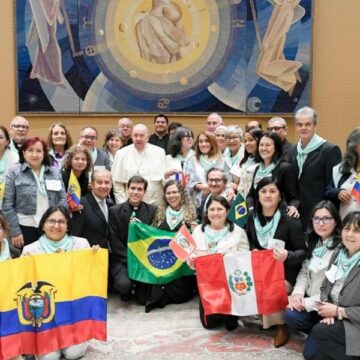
[(234, 129), (307, 112), (100, 171), (350, 158), (276, 118)]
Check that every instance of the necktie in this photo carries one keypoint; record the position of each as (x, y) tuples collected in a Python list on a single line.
[(104, 209)]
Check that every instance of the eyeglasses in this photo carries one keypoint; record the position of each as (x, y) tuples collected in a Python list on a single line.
[(217, 181), (53, 222), (229, 138), (88, 137), (18, 126), (324, 220), (275, 128)]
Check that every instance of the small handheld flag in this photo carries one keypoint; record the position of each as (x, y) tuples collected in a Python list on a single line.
[(238, 212), (74, 192), (180, 176), (182, 244), (355, 192)]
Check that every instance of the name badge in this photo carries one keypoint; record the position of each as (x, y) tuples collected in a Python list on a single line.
[(53, 185), (330, 274), (276, 244), (316, 264)]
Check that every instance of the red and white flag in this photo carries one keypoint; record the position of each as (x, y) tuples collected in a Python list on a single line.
[(241, 284), (182, 244)]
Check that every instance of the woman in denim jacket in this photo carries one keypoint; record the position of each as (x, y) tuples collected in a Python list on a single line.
[(31, 187)]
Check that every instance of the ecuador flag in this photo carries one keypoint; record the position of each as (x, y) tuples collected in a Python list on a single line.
[(150, 259), (49, 302), (242, 284)]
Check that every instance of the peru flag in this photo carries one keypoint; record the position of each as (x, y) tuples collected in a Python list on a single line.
[(241, 284)]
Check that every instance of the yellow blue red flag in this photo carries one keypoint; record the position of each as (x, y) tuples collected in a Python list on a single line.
[(150, 258), (74, 192), (50, 302)]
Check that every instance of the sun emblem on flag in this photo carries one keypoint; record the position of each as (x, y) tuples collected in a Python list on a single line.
[(240, 282), (36, 303)]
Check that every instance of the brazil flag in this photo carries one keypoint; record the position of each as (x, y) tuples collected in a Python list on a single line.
[(150, 259)]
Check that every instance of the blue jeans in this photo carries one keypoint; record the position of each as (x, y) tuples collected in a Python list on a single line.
[(304, 321)]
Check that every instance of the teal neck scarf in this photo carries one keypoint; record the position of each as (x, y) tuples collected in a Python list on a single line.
[(262, 172), (250, 161), (207, 163), (40, 181), (212, 238), (265, 233), (4, 251), (345, 264), (315, 142), (3, 163), (173, 217), (322, 247), (50, 247), (237, 157)]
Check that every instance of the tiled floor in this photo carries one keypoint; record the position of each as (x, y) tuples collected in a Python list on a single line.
[(175, 332)]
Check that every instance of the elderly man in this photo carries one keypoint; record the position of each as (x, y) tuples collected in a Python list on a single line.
[(213, 121), (313, 159), (133, 209), (19, 128), (125, 126), (92, 221), (278, 125), (88, 138), (140, 158), (160, 137), (217, 183)]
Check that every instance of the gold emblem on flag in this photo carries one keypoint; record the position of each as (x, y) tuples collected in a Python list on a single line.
[(240, 282)]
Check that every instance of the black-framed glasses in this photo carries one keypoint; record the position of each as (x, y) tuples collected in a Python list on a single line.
[(217, 181), (324, 219), (275, 128)]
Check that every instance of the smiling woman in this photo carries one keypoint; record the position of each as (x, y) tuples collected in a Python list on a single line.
[(31, 187)]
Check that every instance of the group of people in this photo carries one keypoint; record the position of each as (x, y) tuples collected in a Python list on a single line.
[(301, 194)]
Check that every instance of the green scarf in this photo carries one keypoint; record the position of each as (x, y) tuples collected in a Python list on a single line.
[(265, 233), (207, 163), (173, 217), (250, 161), (315, 142), (212, 238), (40, 182), (237, 157), (345, 264), (50, 246), (322, 247), (262, 172), (5, 251)]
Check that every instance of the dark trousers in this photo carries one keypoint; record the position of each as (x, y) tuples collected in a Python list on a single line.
[(215, 320), (30, 234), (330, 341), (304, 321)]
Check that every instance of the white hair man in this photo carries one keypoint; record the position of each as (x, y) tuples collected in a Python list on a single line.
[(213, 121), (313, 159), (19, 128), (125, 126), (139, 158)]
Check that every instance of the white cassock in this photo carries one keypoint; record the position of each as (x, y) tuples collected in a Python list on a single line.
[(149, 163)]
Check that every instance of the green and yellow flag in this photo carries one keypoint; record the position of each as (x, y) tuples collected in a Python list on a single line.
[(150, 259), (238, 212)]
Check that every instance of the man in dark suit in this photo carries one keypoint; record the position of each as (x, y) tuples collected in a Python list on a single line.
[(278, 125), (160, 137), (88, 138), (133, 209), (92, 221), (313, 159)]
